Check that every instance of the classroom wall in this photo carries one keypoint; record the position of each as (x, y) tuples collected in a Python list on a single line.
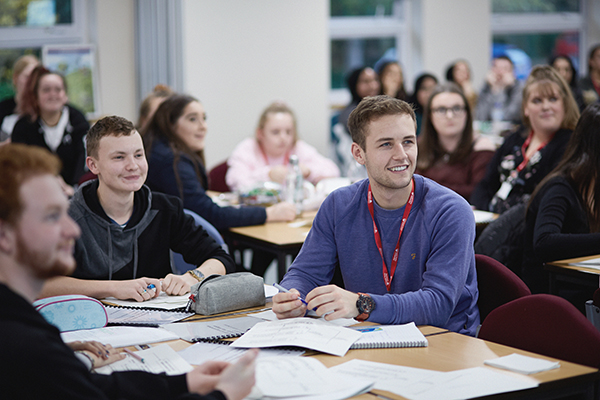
[(241, 55), (455, 29), (115, 24)]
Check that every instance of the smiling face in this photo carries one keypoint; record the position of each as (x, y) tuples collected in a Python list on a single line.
[(45, 234), (545, 108), (452, 122), (390, 156), (190, 127), (51, 95), (121, 164), (278, 135)]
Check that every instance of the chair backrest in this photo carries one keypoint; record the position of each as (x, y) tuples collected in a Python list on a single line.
[(592, 309), (216, 178), (497, 285), (179, 265), (547, 325)]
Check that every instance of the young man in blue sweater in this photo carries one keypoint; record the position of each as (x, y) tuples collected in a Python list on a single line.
[(404, 244)]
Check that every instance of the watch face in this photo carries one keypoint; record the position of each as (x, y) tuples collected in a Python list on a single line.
[(365, 304)]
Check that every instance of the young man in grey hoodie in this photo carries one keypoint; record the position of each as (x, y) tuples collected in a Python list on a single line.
[(127, 230)]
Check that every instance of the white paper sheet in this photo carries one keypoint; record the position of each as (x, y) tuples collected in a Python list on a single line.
[(157, 360), (304, 332), (420, 384), (287, 377), (522, 364), (201, 352), (269, 315), (120, 336)]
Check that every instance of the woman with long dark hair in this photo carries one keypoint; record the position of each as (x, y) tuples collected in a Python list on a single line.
[(174, 141), (563, 218)]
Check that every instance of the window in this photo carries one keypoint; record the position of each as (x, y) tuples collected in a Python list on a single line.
[(532, 31), (34, 23), (363, 32)]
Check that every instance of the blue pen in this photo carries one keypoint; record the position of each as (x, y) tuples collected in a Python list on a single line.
[(151, 286), (282, 289)]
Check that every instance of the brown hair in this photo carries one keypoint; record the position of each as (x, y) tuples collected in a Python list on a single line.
[(29, 99), (542, 77), (581, 164), (160, 91), (274, 108), (19, 163), (371, 109), (107, 126), (430, 149), (162, 126), (22, 62)]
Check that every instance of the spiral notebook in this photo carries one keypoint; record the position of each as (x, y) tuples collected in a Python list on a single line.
[(212, 330), (388, 336), (143, 317)]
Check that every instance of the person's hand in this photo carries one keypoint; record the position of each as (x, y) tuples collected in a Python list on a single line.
[(101, 354), (288, 305), (237, 380), (278, 173), (491, 78), (176, 285), (283, 211), (333, 302), (203, 378), (136, 289), (305, 171), (508, 79)]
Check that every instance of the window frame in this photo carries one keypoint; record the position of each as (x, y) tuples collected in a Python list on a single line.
[(372, 27), (33, 37), (544, 23)]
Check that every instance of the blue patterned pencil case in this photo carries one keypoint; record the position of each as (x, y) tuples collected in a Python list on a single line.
[(72, 312)]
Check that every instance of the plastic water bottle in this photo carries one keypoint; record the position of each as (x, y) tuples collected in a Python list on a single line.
[(294, 184)]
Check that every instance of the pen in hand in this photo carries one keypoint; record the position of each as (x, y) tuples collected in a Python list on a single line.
[(134, 355), (282, 289)]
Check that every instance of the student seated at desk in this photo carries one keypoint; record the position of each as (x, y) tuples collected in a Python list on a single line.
[(128, 230), (265, 157), (563, 218), (174, 141), (419, 265), (36, 243)]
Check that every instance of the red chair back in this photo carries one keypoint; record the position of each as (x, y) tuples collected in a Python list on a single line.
[(497, 285), (216, 178), (547, 325)]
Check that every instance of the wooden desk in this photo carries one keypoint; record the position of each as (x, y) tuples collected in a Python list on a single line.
[(561, 272), (449, 351), (278, 238)]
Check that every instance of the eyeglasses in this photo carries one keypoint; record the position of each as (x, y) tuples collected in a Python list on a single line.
[(443, 111)]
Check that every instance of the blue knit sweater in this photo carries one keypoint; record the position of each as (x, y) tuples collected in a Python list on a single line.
[(435, 282)]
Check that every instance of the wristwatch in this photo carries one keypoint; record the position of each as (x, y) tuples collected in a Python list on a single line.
[(365, 304), (199, 276)]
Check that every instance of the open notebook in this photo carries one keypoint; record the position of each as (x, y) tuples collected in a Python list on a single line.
[(387, 336)]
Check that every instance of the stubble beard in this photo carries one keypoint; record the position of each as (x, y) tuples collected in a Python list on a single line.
[(39, 264)]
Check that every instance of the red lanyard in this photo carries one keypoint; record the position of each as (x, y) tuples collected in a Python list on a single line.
[(524, 151), (386, 276)]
